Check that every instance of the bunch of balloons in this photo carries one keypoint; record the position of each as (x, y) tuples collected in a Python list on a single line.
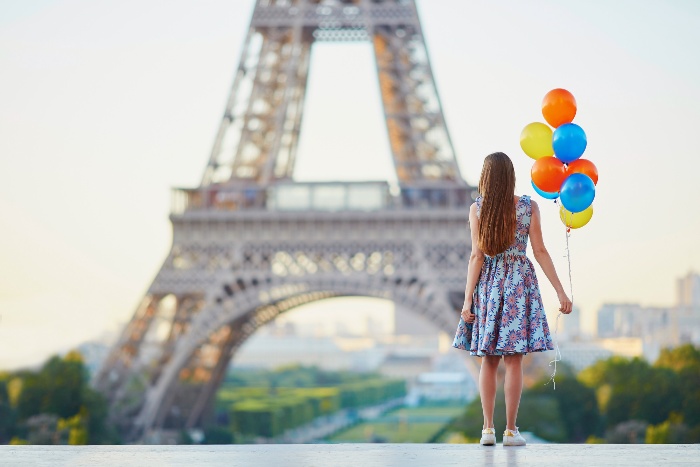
[(559, 171)]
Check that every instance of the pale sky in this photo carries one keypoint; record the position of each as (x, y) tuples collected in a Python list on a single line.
[(104, 106)]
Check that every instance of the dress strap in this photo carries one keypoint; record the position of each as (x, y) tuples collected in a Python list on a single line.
[(479, 200)]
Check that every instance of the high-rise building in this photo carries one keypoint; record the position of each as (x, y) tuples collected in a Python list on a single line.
[(620, 320), (655, 327), (688, 309), (689, 290)]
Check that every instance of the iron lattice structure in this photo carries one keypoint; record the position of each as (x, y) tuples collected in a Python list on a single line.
[(250, 243)]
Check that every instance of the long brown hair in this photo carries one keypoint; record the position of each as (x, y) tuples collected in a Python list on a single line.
[(497, 217)]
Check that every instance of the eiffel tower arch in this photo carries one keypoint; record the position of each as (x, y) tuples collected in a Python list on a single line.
[(250, 242)]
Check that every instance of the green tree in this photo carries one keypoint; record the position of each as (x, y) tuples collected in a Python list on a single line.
[(678, 358), (630, 389), (690, 388), (672, 431), (74, 429), (8, 415), (577, 407), (218, 435), (541, 415), (61, 389), (57, 389), (685, 360)]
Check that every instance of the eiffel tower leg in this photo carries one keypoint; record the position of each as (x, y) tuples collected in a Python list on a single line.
[(185, 401), (121, 367), (290, 128), (193, 393), (230, 126), (206, 396), (258, 136), (144, 347), (418, 136), (122, 355)]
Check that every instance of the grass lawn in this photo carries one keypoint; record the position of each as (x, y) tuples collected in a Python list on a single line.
[(447, 412), (391, 432), (401, 425)]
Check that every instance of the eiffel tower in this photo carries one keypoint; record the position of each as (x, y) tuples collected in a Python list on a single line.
[(250, 242)]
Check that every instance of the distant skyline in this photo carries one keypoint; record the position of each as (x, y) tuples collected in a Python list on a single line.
[(107, 105)]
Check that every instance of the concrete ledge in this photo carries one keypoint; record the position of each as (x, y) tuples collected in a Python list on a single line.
[(355, 455)]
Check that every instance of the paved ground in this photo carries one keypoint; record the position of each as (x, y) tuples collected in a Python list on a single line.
[(356, 455)]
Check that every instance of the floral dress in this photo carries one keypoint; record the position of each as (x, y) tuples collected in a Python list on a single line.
[(510, 317)]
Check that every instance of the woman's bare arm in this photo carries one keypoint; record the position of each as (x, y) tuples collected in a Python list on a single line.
[(476, 261), (545, 260)]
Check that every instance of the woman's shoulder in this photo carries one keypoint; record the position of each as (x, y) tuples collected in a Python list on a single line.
[(529, 200), (533, 207), (475, 207), (525, 199)]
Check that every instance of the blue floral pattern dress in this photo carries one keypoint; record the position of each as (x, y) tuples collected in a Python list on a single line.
[(510, 317)]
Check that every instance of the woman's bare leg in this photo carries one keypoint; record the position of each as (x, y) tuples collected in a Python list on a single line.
[(487, 387), (513, 387)]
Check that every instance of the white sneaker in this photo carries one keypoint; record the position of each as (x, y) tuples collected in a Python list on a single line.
[(488, 437), (513, 438)]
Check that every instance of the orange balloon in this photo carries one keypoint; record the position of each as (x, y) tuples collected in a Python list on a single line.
[(583, 166), (548, 173), (558, 107)]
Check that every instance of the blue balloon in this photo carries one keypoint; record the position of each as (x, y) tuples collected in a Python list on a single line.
[(545, 194), (577, 192), (569, 142)]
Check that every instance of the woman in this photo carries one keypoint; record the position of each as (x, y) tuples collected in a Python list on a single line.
[(503, 315)]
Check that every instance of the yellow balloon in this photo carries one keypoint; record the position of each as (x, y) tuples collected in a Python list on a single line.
[(536, 140), (578, 220)]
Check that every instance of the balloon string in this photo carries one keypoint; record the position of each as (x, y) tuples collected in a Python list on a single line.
[(568, 258), (557, 357)]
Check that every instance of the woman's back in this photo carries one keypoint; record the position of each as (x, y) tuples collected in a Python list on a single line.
[(523, 216)]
